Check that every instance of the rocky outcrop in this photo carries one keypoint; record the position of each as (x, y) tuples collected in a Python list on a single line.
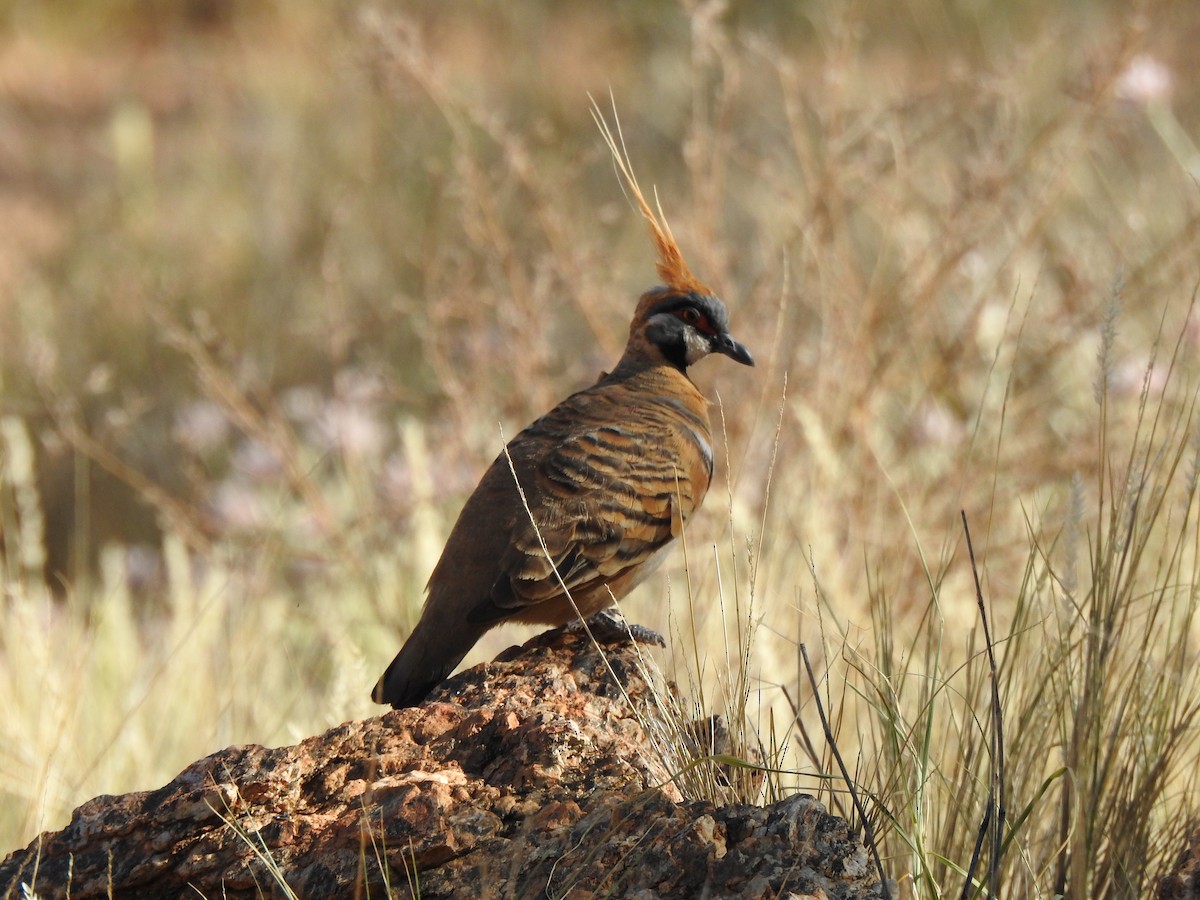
[(532, 776)]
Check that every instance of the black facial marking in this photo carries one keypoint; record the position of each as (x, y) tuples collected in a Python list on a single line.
[(675, 353), (669, 328), (668, 335)]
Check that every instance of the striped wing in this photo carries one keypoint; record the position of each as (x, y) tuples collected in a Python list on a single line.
[(606, 497)]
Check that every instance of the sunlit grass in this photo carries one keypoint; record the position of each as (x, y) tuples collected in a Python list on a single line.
[(289, 280)]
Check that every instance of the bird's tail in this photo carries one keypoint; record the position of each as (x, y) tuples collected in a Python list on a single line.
[(426, 659)]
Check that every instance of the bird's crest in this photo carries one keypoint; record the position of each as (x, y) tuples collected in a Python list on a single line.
[(671, 266)]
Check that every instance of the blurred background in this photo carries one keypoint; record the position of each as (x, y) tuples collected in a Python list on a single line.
[(273, 278)]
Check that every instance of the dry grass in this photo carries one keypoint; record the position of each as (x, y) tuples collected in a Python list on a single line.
[(276, 282)]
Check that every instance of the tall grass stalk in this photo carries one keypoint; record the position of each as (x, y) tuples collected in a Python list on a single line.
[(372, 234), (1095, 677)]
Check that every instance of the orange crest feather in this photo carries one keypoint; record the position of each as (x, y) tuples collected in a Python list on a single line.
[(671, 266)]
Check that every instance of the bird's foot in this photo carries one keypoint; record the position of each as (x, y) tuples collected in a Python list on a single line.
[(609, 626)]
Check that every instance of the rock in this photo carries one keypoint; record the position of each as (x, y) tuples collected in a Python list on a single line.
[(531, 776)]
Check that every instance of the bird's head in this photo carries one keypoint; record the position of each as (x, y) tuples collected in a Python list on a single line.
[(685, 327)]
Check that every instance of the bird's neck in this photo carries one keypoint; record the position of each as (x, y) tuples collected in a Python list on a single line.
[(652, 372), (650, 365)]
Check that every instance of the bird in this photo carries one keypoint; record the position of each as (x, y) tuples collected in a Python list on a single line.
[(583, 504)]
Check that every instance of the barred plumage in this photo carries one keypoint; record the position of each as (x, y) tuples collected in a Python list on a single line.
[(611, 476)]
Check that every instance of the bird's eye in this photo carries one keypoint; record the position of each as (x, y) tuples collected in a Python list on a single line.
[(689, 315)]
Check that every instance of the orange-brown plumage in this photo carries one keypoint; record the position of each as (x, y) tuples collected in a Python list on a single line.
[(609, 478), (672, 268)]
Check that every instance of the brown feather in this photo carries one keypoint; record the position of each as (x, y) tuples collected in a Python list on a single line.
[(672, 268), (582, 504)]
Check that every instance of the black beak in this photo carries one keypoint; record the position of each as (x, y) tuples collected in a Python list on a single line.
[(724, 343)]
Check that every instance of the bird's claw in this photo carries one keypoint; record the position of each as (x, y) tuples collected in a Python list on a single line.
[(609, 627)]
